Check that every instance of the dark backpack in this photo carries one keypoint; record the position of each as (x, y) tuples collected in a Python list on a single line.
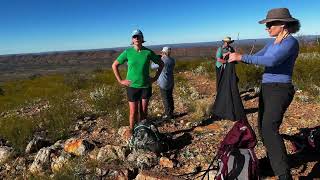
[(307, 140), (146, 136), (236, 156)]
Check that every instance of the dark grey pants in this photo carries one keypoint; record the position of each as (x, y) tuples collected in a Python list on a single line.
[(274, 100), (167, 99)]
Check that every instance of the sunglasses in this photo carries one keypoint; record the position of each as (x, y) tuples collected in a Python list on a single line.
[(136, 36), (274, 23)]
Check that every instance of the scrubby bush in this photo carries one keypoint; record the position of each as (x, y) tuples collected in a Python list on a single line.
[(23, 92), (249, 75), (17, 130), (76, 81), (58, 118), (305, 76), (187, 65), (112, 100)]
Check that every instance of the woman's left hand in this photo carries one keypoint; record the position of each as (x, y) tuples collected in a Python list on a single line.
[(234, 57)]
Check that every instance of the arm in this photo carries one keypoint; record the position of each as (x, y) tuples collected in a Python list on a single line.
[(219, 55), (115, 68), (160, 64), (276, 57)]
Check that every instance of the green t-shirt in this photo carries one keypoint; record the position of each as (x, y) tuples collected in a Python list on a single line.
[(138, 65)]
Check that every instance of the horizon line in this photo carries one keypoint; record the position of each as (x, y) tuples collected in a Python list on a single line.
[(122, 47)]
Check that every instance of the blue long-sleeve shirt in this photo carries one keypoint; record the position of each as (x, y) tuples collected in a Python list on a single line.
[(278, 60)]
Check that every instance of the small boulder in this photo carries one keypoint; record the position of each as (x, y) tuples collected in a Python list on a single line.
[(112, 152), (36, 143), (124, 133), (5, 153), (143, 160), (41, 161), (78, 147), (59, 162), (166, 162)]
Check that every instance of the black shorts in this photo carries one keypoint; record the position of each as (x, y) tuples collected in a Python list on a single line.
[(136, 94)]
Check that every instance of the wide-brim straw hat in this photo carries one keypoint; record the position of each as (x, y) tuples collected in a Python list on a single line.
[(278, 14), (228, 40)]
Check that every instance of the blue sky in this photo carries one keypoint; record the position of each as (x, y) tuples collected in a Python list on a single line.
[(29, 26)]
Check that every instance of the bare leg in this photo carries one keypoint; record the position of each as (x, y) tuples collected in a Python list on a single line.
[(133, 116), (144, 108)]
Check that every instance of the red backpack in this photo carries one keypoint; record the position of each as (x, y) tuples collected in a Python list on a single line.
[(236, 157)]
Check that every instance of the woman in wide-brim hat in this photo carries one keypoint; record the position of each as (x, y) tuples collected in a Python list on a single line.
[(220, 60), (277, 90)]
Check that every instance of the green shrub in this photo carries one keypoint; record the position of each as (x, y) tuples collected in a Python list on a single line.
[(18, 131), (59, 117), (23, 92), (249, 75), (184, 65), (76, 81), (305, 76), (112, 100)]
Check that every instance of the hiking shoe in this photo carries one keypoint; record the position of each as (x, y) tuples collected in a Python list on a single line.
[(167, 117)]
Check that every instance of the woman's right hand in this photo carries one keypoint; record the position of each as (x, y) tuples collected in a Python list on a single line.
[(234, 57), (125, 82)]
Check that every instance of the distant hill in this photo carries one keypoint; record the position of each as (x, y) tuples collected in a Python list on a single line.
[(24, 65)]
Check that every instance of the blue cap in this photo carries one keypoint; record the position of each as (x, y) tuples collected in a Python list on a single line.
[(137, 32)]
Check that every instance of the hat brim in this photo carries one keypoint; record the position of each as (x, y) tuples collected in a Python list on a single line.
[(282, 20), (228, 41)]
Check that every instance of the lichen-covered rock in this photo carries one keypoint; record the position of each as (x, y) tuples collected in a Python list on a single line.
[(41, 161), (112, 152), (5, 153), (59, 162), (166, 162), (36, 143), (78, 147), (142, 159)]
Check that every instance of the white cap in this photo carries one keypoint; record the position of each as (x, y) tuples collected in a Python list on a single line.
[(166, 49)]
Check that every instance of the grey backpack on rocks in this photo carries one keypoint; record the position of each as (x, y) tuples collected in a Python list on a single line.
[(146, 136)]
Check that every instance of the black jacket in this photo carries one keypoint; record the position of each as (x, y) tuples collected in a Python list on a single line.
[(228, 104)]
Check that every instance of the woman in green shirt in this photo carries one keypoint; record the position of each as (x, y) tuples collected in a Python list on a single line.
[(138, 81)]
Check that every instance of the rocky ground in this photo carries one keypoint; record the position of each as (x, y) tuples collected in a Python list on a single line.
[(97, 151)]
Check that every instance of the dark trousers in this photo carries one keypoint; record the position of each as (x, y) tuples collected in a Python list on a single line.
[(167, 99), (274, 100)]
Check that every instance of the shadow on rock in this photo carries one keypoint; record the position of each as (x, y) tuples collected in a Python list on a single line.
[(181, 141)]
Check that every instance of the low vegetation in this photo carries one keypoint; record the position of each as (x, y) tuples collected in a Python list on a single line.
[(103, 95)]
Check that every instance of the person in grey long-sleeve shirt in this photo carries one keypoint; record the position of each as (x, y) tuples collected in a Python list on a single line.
[(166, 82), (277, 90)]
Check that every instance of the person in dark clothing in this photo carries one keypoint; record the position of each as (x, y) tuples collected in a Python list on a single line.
[(277, 90), (220, 61)]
